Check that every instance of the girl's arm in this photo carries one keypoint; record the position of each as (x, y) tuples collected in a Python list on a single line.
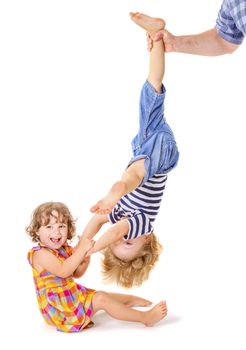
[(81, 269), (113, 234), (94, 225), (43, 259), (89, 232)]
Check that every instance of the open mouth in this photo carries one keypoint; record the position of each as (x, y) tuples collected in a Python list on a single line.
[(55, 240)]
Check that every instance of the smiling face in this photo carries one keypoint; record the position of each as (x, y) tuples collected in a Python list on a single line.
[(54, 233), (127, 250)]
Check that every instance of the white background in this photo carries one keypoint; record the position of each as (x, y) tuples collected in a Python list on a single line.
[(71, 72)]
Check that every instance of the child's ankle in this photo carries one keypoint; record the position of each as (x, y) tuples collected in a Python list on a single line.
[(152, 34)]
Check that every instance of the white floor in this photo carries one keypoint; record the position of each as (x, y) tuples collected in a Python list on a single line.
[(70, 85)]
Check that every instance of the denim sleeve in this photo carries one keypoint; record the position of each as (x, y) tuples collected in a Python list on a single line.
[(228, 22)]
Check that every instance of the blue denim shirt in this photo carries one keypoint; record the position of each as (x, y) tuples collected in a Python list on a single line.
[(231, 21)]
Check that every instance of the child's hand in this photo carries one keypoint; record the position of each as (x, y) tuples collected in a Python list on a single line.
[(90, 252), (85, 243), (86, 260), (77, 245)]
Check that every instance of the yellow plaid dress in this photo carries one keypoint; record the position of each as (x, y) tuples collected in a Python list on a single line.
[(62, 302)]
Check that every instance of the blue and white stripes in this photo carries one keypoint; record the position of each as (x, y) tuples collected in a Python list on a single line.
[(140, 206)]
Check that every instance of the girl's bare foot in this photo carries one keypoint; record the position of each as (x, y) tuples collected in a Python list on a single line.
[(157, 313), (150, 24), (106, 204)]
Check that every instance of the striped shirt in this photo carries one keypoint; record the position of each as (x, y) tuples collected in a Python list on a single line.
[(140, 207), (231, 21)]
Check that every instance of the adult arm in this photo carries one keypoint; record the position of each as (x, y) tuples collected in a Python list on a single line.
[(208, 43)]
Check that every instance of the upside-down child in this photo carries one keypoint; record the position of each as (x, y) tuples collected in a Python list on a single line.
[(130, 247), (64, 303)]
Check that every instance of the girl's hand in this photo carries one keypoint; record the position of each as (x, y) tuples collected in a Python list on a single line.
[(81, 269), (90, 252), (77, 245), (85, 243), (86, 260)]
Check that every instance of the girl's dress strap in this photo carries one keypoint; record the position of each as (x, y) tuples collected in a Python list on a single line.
[(31, 252)]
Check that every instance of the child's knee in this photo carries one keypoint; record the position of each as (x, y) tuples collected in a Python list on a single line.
[(100, 299)]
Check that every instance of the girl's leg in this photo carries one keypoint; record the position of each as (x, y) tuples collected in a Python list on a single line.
[(131, 178), (135, 173), (157, 65), (157, 57), (130, 300), (119, 311)]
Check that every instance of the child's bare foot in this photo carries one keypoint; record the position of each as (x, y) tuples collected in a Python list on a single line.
[(137, 301), (157, 313), (106, 204), (150, 24)]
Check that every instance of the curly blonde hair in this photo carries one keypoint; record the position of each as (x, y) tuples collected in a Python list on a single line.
[(41, 217), (131, 273)]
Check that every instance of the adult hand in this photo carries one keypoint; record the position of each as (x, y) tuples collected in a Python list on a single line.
[(149, 42), (164, 35)]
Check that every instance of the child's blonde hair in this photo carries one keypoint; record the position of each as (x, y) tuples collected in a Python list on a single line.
[(41, 217), (131, 273)]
